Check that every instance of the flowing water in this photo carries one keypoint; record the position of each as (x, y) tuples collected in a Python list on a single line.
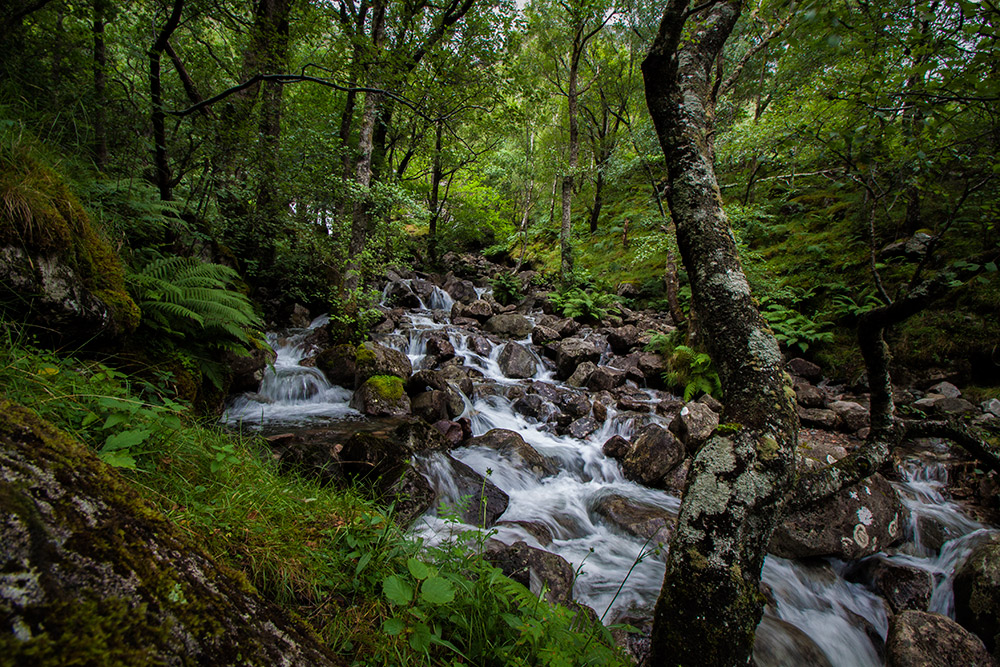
[(619, 575)]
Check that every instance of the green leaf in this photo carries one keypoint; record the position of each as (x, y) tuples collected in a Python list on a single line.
[(437, 590), (419, 570), (393, 626), (362, 562), (396, 590), (125, 440), (990, 266), (420, 640), (118, 459)]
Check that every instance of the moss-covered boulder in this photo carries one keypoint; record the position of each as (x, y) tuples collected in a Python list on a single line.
[(56, 270), (977, 593), (91, 575), (381, 396), (373, 359)]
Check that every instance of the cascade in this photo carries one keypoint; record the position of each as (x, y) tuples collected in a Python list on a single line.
[(847, 621)]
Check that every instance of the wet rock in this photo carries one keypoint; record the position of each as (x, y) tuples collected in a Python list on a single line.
[(582, 427), (452, 431), (542, 335), (530, 405), (818, 418), (946, 389), (480, 345), (509, 324), (381, 396), (853, 416), (248, 371), (923, 639), (616, 447), (478, 311), (459, 290), (411, 496), (713, 403), (602, 401), (572, 352), (379, 457), (694, 425), (512, 446), (300, 316), (534, 569), (977, 593), (637, 518), (312, 453), (669, 408), (902, 586), (564, 326), (653, 366), (778, 643), (477, 500), (623, 339), (375, 359), (582, 374), (575, 405), (676, 478), (809, 396), (804, 369), (399, 294), (654, 453), (605, 378), (633, 403), (536, 529), (859, 521), (516, 361), (953, 406), (440, 347), (338, 365), (431, 406)]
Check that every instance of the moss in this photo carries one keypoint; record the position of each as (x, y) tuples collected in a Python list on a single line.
[(364, 355), (726, 429), (768, 448), (387, 387)]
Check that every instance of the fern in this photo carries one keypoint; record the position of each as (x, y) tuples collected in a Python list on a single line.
[(581, 305), (689, 370)]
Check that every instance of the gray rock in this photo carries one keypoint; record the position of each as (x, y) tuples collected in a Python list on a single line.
[(439, 346), (809, 396), (804, 369), (780, 644), (991, 406), (582, 427), (694, 424), (923, 639), (623, 339), (853, 416), (459, 290), (977, 593), (814, 454), (509, 324), (605, 378), (477, 500), (902, 586), (431, 406), (582, 374), (375, 359), (859, 521), (654, 453), (379, 396), (636, 518), (946, 389), (652, 366), (478, 310), (953, 406), (616, 447), (572, 352), (542, 335), (825, 419), (300, 316), (512, 446), (533, 568), (712, 403), (516, 361)]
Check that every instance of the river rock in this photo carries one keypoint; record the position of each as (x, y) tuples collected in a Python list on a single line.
[(379, 457), (817, 452), (516, 361), (512, 446), (977, 593), (637, 518), (248, 370), (652, 366), (542, 335), (818, 418), (572, 352), (858, 521), (311, 453), (460, 290), (399, 294), (946, 389), (654, 453), (375, 359), (338, 365), (411, 496), (477, 500), (605, 378), (536, 529), (902, 586), (381, 396), (804, 369), (582, 374), (534, 569), (623, 339), (714, 404), (575, 405), (809, 396), (452, 431), (923, 639), (431, 406), (93, 574), (477, 311), (853, 416), (582, 427), (616, 447), (778, 643), (953, 406), (532, 406), (439, 346), (511, 325), (694, 425)]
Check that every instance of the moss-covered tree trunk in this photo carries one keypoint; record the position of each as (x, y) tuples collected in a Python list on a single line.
[(710, 603)]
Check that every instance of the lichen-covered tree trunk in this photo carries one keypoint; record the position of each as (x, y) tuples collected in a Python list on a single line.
[(710, 603), (568, 179)]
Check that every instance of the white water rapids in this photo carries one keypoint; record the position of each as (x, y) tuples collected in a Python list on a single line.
[(847, 621)]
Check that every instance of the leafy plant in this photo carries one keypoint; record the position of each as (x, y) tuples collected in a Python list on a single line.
[(506, 288), (792, 328), (689, 370), (585, 306)]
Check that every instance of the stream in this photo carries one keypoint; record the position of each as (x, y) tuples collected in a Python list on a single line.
[(812, 598)]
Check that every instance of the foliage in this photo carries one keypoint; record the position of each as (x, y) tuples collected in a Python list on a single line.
[(583, 305), (689, 370), (506, 288), (792, 328)]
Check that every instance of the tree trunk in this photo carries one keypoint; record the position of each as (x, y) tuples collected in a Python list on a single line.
[(161, 167), (437, 173), (595, 212), (710, 603), (100, 87), (566, 225)]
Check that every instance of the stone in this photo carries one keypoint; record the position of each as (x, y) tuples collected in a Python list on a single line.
[(511, 325), (676, 478), (374, 359), (476, 499), (398, 293), (431, 406), (639, 519), (312, 453), (248, 371), (93, 574), (623, 339), (653, 366), (924, 639), (516, 361), (946, 389), (616, 447), (536, 529), (440, 347), (605, 378), (542, 335), (582, 374), (512, 446), (856, 522), (814, 453), (778, 643), (953, 406), (535, 569), (804, 369), (478, 310), (572, 352), (713, 404), (575, 405), (977, 593), (459, 290), (582, 427), (902, 586), (991, 406), (853, 416), (694, 425), (654, 453), (809, 396), (411, 497), (818, 418), (379, 457), (452, 431), (381, 396)]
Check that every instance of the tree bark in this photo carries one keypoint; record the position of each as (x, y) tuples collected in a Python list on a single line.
[(566, 220), (161, 166), (437, 173), (710, 604), (100, 88)]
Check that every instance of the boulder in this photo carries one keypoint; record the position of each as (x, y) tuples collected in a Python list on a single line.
[(460, 290), (623, 339), (516, 361), (572, 352), (977, 593), (411, 496), (533, 568), (542, 335), (953, 406), (300, 316), (575, 405), (478, 311), (853, 416), (616, 447), (439, 346), (381, 456), (92, 574), (398, 293), (511, 325), (339, 365), (804, 369), (636, 518), (512, 446), (431, 406), (714, 404), (858, 521), (652, 366), (605, 378), (581, 376), (381, 396), (946, 389), (923, 639), (778, 643), (311, 453), (694, 425), (902, 586), (809, 396), (248, 371), (991, 406), (476, 500), (374, 359), (815, 452), (532, 406), (818, 418), (582, 427), (452, 431), (654, 453)]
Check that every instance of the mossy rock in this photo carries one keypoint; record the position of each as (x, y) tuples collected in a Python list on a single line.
[(977, 593), (374, 359), (382, 396), (94, 576), (57, 271)]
